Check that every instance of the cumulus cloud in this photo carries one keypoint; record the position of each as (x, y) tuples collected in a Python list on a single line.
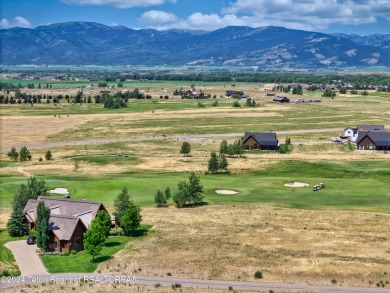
[(17, 22), (158, 17), (311, 14), (119, 3), (297, 14)]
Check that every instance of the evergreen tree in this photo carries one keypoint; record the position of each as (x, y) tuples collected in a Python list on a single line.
[(121, 204), (132, 218), (160, 199), (15, 224), (195, 189), (181, 195), (13, 154), (213, 165), (43, 216), (48, 155), (167, 193), (223, 163), (24, 154), (223, 148), (185, 148)]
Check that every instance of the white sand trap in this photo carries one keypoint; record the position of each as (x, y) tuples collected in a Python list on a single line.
[(226, 191), (60, 190), (296, 184)]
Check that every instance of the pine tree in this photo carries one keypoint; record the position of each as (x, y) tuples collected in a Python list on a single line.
[(167, 193), (15, 224), (48, 155), (213, 165), (160, 199), (24, 154), (121, 204), (223, 163), (13, 154), (223, 148), (185, 148), (195, 189), (43, 216), (181, 195)]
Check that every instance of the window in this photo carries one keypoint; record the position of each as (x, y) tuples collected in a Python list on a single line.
[(56, 244), (78, 241)]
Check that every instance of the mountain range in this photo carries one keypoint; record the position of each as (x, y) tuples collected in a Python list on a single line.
[(83, 43)]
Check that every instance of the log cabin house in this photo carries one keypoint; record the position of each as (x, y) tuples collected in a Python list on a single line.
[(379, 141), (260, 141), (69, 219)]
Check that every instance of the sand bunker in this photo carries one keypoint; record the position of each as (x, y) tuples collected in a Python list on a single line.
[(60, 190), (226, 191), (296, 184)]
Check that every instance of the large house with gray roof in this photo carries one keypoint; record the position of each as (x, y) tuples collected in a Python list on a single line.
[(260, 141), (352, 132), (69, 219), (379, 141)]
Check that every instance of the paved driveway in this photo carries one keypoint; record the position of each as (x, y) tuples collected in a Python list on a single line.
[(25, 255)]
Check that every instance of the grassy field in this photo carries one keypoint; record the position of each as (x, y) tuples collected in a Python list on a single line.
[(82, 262), (348, 186), (337, 218)]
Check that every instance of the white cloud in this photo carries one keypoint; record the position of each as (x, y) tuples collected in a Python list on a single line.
[(119, 3), (296, 14), (157, 17), (310, 14), (17, 22)]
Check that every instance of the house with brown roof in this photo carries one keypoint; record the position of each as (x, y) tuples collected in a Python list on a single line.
[(69, 219), (260, 141)]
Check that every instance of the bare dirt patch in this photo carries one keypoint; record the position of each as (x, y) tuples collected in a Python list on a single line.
[(286, 245)]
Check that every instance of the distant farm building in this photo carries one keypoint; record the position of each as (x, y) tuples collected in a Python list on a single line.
[(260, 141), (191, 93), (281, 99)]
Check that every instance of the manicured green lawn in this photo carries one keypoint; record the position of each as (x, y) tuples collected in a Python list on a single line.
[(7, 259), (82, 262), (362, 186)]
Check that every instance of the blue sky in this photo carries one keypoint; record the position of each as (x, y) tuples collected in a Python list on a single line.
[(349, 16)]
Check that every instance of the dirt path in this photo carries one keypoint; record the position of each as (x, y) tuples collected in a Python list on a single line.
[(189, 138), (19, 170)]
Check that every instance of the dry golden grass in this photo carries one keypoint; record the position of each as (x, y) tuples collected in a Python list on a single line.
[(287, 245)]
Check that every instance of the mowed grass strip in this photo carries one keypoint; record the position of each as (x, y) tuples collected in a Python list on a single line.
[(82, 261), (360, 186)]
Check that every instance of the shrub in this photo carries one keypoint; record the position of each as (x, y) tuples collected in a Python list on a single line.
[(158, 285), (65, 253), (73, 251), (258, 275), (40, 159), (169, 274), (116, 232), (334, 281)]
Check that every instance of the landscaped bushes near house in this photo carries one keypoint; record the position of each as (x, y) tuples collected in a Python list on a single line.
[(116, 232)]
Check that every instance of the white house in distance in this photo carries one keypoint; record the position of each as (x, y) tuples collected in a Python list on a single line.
[(352, 133)]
